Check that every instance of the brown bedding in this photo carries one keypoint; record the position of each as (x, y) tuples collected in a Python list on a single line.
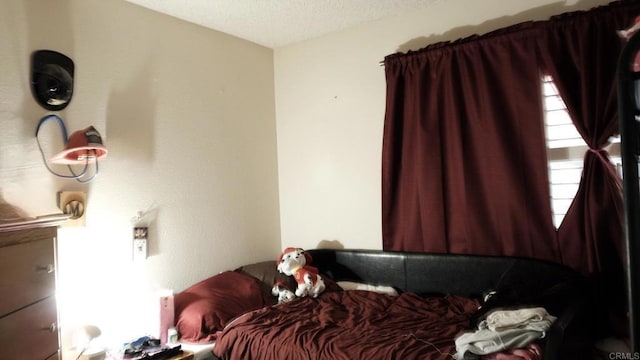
[(349, 325)]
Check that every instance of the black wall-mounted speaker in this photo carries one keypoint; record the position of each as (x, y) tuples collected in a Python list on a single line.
[(51, 79)]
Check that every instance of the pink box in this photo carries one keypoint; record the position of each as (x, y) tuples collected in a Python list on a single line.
[(166, 316)]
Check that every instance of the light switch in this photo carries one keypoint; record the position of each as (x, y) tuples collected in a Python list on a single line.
[(140, 243)]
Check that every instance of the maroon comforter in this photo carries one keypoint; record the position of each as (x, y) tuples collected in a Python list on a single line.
[(349, 325)]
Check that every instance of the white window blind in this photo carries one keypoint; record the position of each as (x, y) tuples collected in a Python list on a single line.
[(565, 151)]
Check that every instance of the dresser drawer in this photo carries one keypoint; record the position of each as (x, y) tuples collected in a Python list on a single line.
[(27, 273), (31, 333)]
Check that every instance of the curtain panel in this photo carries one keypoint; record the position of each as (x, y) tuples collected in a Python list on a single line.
[(464, 162), (580, 51)]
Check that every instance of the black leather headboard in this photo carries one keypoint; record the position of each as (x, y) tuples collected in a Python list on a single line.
[(422, 273)]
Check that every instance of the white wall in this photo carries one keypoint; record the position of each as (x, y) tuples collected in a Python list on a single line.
[(188, 117), (330, 103)]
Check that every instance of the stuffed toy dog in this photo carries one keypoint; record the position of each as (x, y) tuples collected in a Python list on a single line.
[(282, 292), (295, 262)]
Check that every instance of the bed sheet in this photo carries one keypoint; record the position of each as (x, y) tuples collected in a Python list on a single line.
[(349, 325)]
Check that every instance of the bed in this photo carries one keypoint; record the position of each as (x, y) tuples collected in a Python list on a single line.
[(440, 297)]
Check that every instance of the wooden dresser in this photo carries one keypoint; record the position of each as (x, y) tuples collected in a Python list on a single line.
[(28, 311)]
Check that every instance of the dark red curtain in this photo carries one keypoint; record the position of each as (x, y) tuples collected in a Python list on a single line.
[(580, 51), (464, 162)]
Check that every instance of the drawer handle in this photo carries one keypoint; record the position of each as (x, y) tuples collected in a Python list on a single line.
[(51, 328), (48, 269)]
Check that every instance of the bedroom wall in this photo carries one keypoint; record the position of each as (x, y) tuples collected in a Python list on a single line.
[(188, 117), (330, 103)]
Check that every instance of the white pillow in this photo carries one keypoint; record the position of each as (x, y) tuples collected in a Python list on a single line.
[(351, 285)]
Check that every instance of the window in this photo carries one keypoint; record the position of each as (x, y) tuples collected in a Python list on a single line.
[(565, 151)]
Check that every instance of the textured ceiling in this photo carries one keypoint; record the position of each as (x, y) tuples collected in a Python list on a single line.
[(277, 23)]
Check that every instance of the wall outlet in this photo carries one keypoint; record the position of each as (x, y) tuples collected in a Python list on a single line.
[(139, 249)]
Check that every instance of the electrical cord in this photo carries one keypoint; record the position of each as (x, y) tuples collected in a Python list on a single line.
[(81, 352), (428, 343)]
